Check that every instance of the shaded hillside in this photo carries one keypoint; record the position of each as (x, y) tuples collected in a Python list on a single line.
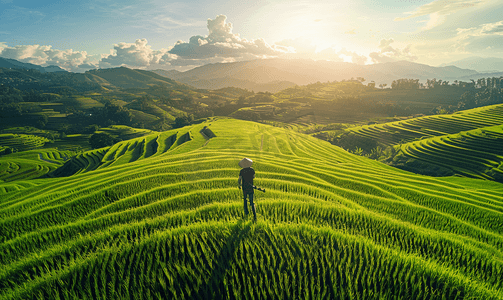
[(15, 64), (481, 75), (129, 78), (125, 152), (55, 82), (218, 83), (353, 102), (70, 103), (331, 225)]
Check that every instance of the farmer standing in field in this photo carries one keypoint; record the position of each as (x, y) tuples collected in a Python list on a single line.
[(245, 181)]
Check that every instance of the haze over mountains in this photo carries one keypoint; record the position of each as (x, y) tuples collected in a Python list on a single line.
[(276, 74), (481, 64), (127, 78), (273, 75)]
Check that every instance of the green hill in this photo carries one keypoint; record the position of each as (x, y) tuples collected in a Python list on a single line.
[(476, 153), (128, 78), (393, 133), (466, 143), (22, 142), (167, 222), (30, 164)]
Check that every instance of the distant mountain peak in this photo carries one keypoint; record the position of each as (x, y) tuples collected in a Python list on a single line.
[(15, 64), (259, 75), (481, 64)]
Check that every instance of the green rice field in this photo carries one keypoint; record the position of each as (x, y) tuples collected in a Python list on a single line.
[(467, 143), (393, 133), (475, 153), (31, 164), (22, 142), (161, 217)]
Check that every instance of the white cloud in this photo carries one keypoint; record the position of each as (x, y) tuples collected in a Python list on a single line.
[(222, 43), (435, 20), (442, 7), (438, 9), (479, 38), (304, 48), (136, 55), (45, 56), (388, 53), (495, 28)]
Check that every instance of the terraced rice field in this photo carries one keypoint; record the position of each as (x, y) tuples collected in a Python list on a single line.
[(162, 217), (73, 142), (125, 132), (394, 133), (22, 142), (476, 153), (124, 152), (31, 164)]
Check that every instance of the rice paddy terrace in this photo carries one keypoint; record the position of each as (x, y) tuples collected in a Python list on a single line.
[(17, 169), (22, 142), (475, 153), (161, 216), (469, 143), (394, 133)]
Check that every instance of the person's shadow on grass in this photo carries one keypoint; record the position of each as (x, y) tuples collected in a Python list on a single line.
[(214, 287)]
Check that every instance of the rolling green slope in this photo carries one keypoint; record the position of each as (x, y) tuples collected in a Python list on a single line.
[(167, 222), (409, 130), (31, 164), (476, 153), (22, 142), (127, 78), (467, 143)]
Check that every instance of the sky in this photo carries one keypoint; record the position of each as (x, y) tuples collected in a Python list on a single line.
[(90, 34)]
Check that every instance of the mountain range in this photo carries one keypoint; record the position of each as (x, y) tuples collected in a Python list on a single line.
[(15, 64), (481, 64), (274, 75), (123, 77)]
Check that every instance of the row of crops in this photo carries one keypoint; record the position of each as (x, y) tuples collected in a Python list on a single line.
[(125, 152), (409, 130), (31, 164), (168, 223), (476, 153), (22, 142), (467, 143)]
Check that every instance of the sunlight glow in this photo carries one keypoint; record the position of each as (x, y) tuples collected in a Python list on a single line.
[(310, 27), (346, 58)]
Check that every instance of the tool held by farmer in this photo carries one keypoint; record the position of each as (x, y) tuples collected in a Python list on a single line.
[(245, 181)]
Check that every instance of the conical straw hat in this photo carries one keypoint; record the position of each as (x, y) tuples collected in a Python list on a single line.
[(245, 163)]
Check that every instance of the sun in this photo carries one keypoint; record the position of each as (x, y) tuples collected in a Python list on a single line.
[(310, 32)]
